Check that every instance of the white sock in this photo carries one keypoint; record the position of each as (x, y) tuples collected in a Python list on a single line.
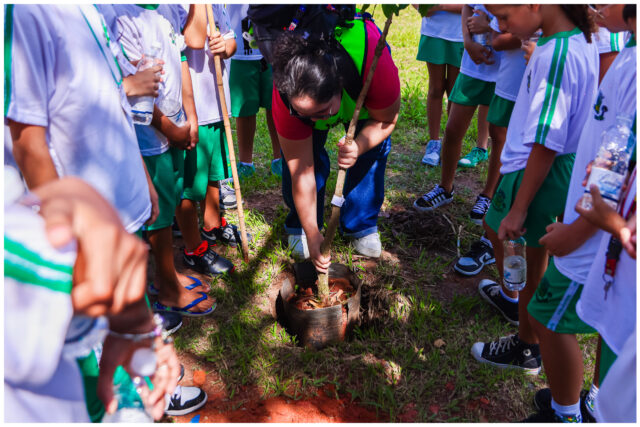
[(515, 300), (591, 398), (487, 241), (247, 164), (568, 410)]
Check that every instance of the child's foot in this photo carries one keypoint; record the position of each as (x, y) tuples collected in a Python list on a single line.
[(433, 199), (276, 167), (180, 299), (205, 261), (474, 260), (479, 209), (432, 153), (490, 292), (226, 234), (509, 352), (475, 156)]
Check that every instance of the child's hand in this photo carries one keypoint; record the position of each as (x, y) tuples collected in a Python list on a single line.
[(478, 24), (217, 45), (479, 54), (558, 240), (511, 227), (321, 262), (180, 137), (193, 134), (347, 153), (528, 48), (601, 215), (144, 83)]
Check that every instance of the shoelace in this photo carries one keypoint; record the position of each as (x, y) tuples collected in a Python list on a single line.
[(493, 291), (477, 249), (432, 147), (482, 204), (434, 194), (503, 345)]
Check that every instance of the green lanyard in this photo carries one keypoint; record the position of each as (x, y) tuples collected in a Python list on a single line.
[(108, 39)]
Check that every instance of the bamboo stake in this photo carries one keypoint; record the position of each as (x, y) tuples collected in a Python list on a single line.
[(323, 278), (227, 130)]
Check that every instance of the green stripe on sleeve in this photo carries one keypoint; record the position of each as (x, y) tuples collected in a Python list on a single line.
[(17, 250), (548, 92), (24, 274), (8, 42), (556, 92)]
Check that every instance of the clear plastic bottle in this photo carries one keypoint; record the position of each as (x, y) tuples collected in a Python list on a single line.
[(173, 110), (515, 264), (142, 106), (130, 406), (481, 38), (609, 168), (84, 335)]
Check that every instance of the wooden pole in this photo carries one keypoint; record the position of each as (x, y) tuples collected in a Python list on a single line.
[(227, 130), (323, 278)]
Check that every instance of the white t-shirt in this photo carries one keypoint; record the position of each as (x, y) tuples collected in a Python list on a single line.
[(137, 29), (443, 25), (616, 95), (485, 72), (66, 81), (554, 99), (615, 317), (203, 74), (39, 384), (240, 24), (608, 41), (512, 65)]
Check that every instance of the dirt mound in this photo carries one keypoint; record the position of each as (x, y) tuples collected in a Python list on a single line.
[(429, 229)]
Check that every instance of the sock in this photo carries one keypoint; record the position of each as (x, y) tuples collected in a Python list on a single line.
[(486, 241), (483, 149), (514, 300), (247, 164), (590, 400), (568, 413)]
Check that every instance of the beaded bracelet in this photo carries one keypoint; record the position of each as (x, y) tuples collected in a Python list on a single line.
[(157, 331)]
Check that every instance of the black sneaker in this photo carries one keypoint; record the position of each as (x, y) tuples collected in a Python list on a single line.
[(472, 262), (542, 401), (490, 292), (544, 416), (185, 400), (171, 321), (433, 199), (509, 352), (479, 209), (226, 234), (205, 261), (227, 197)]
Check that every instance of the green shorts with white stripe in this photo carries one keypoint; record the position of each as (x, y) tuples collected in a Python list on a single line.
[(554, 303)]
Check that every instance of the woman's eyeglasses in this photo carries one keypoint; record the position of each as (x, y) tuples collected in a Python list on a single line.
[(318, 116)]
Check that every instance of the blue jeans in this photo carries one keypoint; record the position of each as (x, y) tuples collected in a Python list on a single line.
[(363, 188)]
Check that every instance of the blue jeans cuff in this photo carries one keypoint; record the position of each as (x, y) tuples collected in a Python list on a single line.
[(362, 233), (293, 231)]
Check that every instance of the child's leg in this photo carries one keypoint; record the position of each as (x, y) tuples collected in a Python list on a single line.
[(452, 75), (273, 134), (437, 83), (457, 126), (246, 129), (498, 254), (537, 261), (483, 127), (187, 218), (498, 137), (211, 211)]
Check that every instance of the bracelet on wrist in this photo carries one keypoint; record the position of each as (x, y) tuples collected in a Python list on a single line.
[(157, 331)]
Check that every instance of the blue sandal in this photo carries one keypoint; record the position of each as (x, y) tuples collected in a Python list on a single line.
[(152, 290), (158, 307)]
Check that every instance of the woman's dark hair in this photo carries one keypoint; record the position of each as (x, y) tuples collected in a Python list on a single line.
[(306, 66), (629, 11), (579, 15)]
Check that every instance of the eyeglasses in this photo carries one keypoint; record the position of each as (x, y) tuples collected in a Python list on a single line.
[(319, 116), (599, 11)]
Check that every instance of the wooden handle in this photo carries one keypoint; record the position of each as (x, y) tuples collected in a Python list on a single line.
[(227, 130)]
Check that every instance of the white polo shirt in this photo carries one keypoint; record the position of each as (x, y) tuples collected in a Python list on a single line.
[(443, 25)]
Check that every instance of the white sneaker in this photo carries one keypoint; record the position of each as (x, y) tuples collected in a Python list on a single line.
[(298, 245), (369, 245), (184, 400), (432, 153)]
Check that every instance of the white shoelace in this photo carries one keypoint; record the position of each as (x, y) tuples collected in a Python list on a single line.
[(503, 345)]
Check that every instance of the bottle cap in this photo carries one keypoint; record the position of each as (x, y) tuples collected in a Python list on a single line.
[(143, 362)]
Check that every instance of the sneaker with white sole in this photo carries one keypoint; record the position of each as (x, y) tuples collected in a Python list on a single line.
[(475, 156), (479, 209), (509, 352), (490, 292), (432, 153), (227, 196), (298, 245), (433, 199), (184, 400), (474, 260), (368, 245)]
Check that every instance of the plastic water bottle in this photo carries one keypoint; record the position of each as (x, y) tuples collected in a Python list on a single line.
[(173, 110), (84, 335), (142, 106), (609, 168), (481, 38), (515, 264), (130, 406)]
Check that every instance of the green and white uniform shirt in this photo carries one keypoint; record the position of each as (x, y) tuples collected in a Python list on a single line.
[(68, 82), (608, 41), (39, 384), (554, 99), (511, 70), (482, 71)]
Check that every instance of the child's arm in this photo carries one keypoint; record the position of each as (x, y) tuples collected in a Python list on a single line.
[(562, 239), (189, 105), (505, 41), (537, 169), (195, 30), (477, 52), (219, 46), (31, 153)]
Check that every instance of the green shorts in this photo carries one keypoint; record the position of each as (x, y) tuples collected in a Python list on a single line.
[(167, 173), (607, 357), (554, 303), (547, 204), (440, 51), (208, 162), (470, 91), (250, 87), (500, 111)]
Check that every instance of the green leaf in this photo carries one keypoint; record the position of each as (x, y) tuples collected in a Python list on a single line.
[(365, 7), (424, 8), (392, 9)]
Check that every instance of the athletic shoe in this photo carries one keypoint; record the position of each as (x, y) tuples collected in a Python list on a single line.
[(227, 197), (542, 402), (475, 156), (509, 352), (205, 261), (171, 322), (546, 416), (474, 260), (432, 153), (368, 245), (433, 199), (276, 167), (226, 234), (298, 245), (479, 209), (490, 292), (184, 400), (175, 230), (246, 170)]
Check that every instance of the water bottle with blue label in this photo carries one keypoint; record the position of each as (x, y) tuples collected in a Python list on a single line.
[(609, 168), (515, 264), (142, 106), (481, 38)]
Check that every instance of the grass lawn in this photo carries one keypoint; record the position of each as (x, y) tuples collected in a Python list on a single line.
[(410, 358)]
